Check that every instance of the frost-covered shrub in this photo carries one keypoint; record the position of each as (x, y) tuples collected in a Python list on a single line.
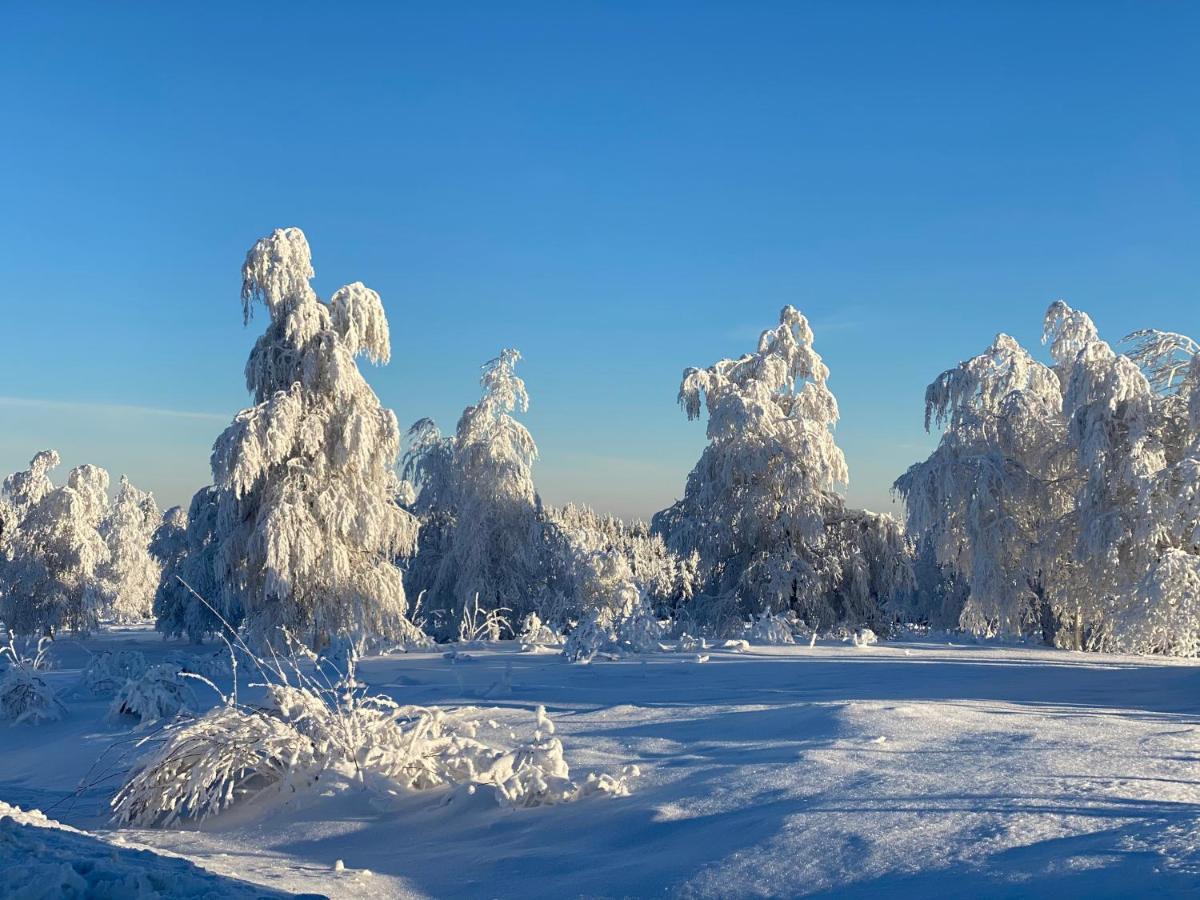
[(107, 672), (772, 630), (606, 631), (24, 696), (595, 633), (161, 692), (477, 624), (339, 734), (535, 631), (207, 764), (865, 637), (639, 631)]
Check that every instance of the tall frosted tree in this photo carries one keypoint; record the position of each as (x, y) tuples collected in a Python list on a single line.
[(986, 499), (476, 491), (131, 575), (1135, 574), (1064, 497), (54, 549), (307, 527), (760, 507)]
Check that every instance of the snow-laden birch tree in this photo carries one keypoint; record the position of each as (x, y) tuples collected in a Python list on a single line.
[(1136, 560), (1000, 476), (1064, 498), (54, 549), (307, 527), (476, 496), (131, 575), (760, 507)]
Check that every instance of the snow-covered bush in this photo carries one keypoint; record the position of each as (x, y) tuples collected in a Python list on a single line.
[(772, 629), (343, 735), (617, 618), (760, 507), (24, 696), (161, 692), (53, 549), (108, 671), (306, 527), (595, 633), (535, 631), (865, 637)]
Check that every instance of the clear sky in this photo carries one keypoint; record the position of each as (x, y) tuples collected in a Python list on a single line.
[(620, 190)]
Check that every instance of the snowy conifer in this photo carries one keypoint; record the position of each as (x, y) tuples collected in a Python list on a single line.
[(188, 590)]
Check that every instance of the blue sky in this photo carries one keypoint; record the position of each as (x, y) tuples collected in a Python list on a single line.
[(620, 190)]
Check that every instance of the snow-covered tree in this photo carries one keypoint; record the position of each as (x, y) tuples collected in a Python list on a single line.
[(306, 523), (484, 521), (1000, 474), (187, 546), (578, 537), (168, 543), (1064, 498), (1135, 559), (760, 507), (131, 575), (51, 556)]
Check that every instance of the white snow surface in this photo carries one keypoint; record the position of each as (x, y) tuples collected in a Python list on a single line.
[(898, 769), (42, 858)]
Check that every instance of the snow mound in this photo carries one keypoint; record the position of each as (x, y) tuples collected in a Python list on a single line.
[(771, 630), (42, 858)]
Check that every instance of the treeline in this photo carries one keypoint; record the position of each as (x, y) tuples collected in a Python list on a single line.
[(1061, 503)]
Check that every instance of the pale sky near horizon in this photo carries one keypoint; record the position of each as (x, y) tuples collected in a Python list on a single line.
[(620, 190)]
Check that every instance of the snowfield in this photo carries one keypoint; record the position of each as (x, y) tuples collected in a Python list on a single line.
[(911, 769)]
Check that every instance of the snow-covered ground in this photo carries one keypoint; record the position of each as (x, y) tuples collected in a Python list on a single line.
[(917, 769)]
